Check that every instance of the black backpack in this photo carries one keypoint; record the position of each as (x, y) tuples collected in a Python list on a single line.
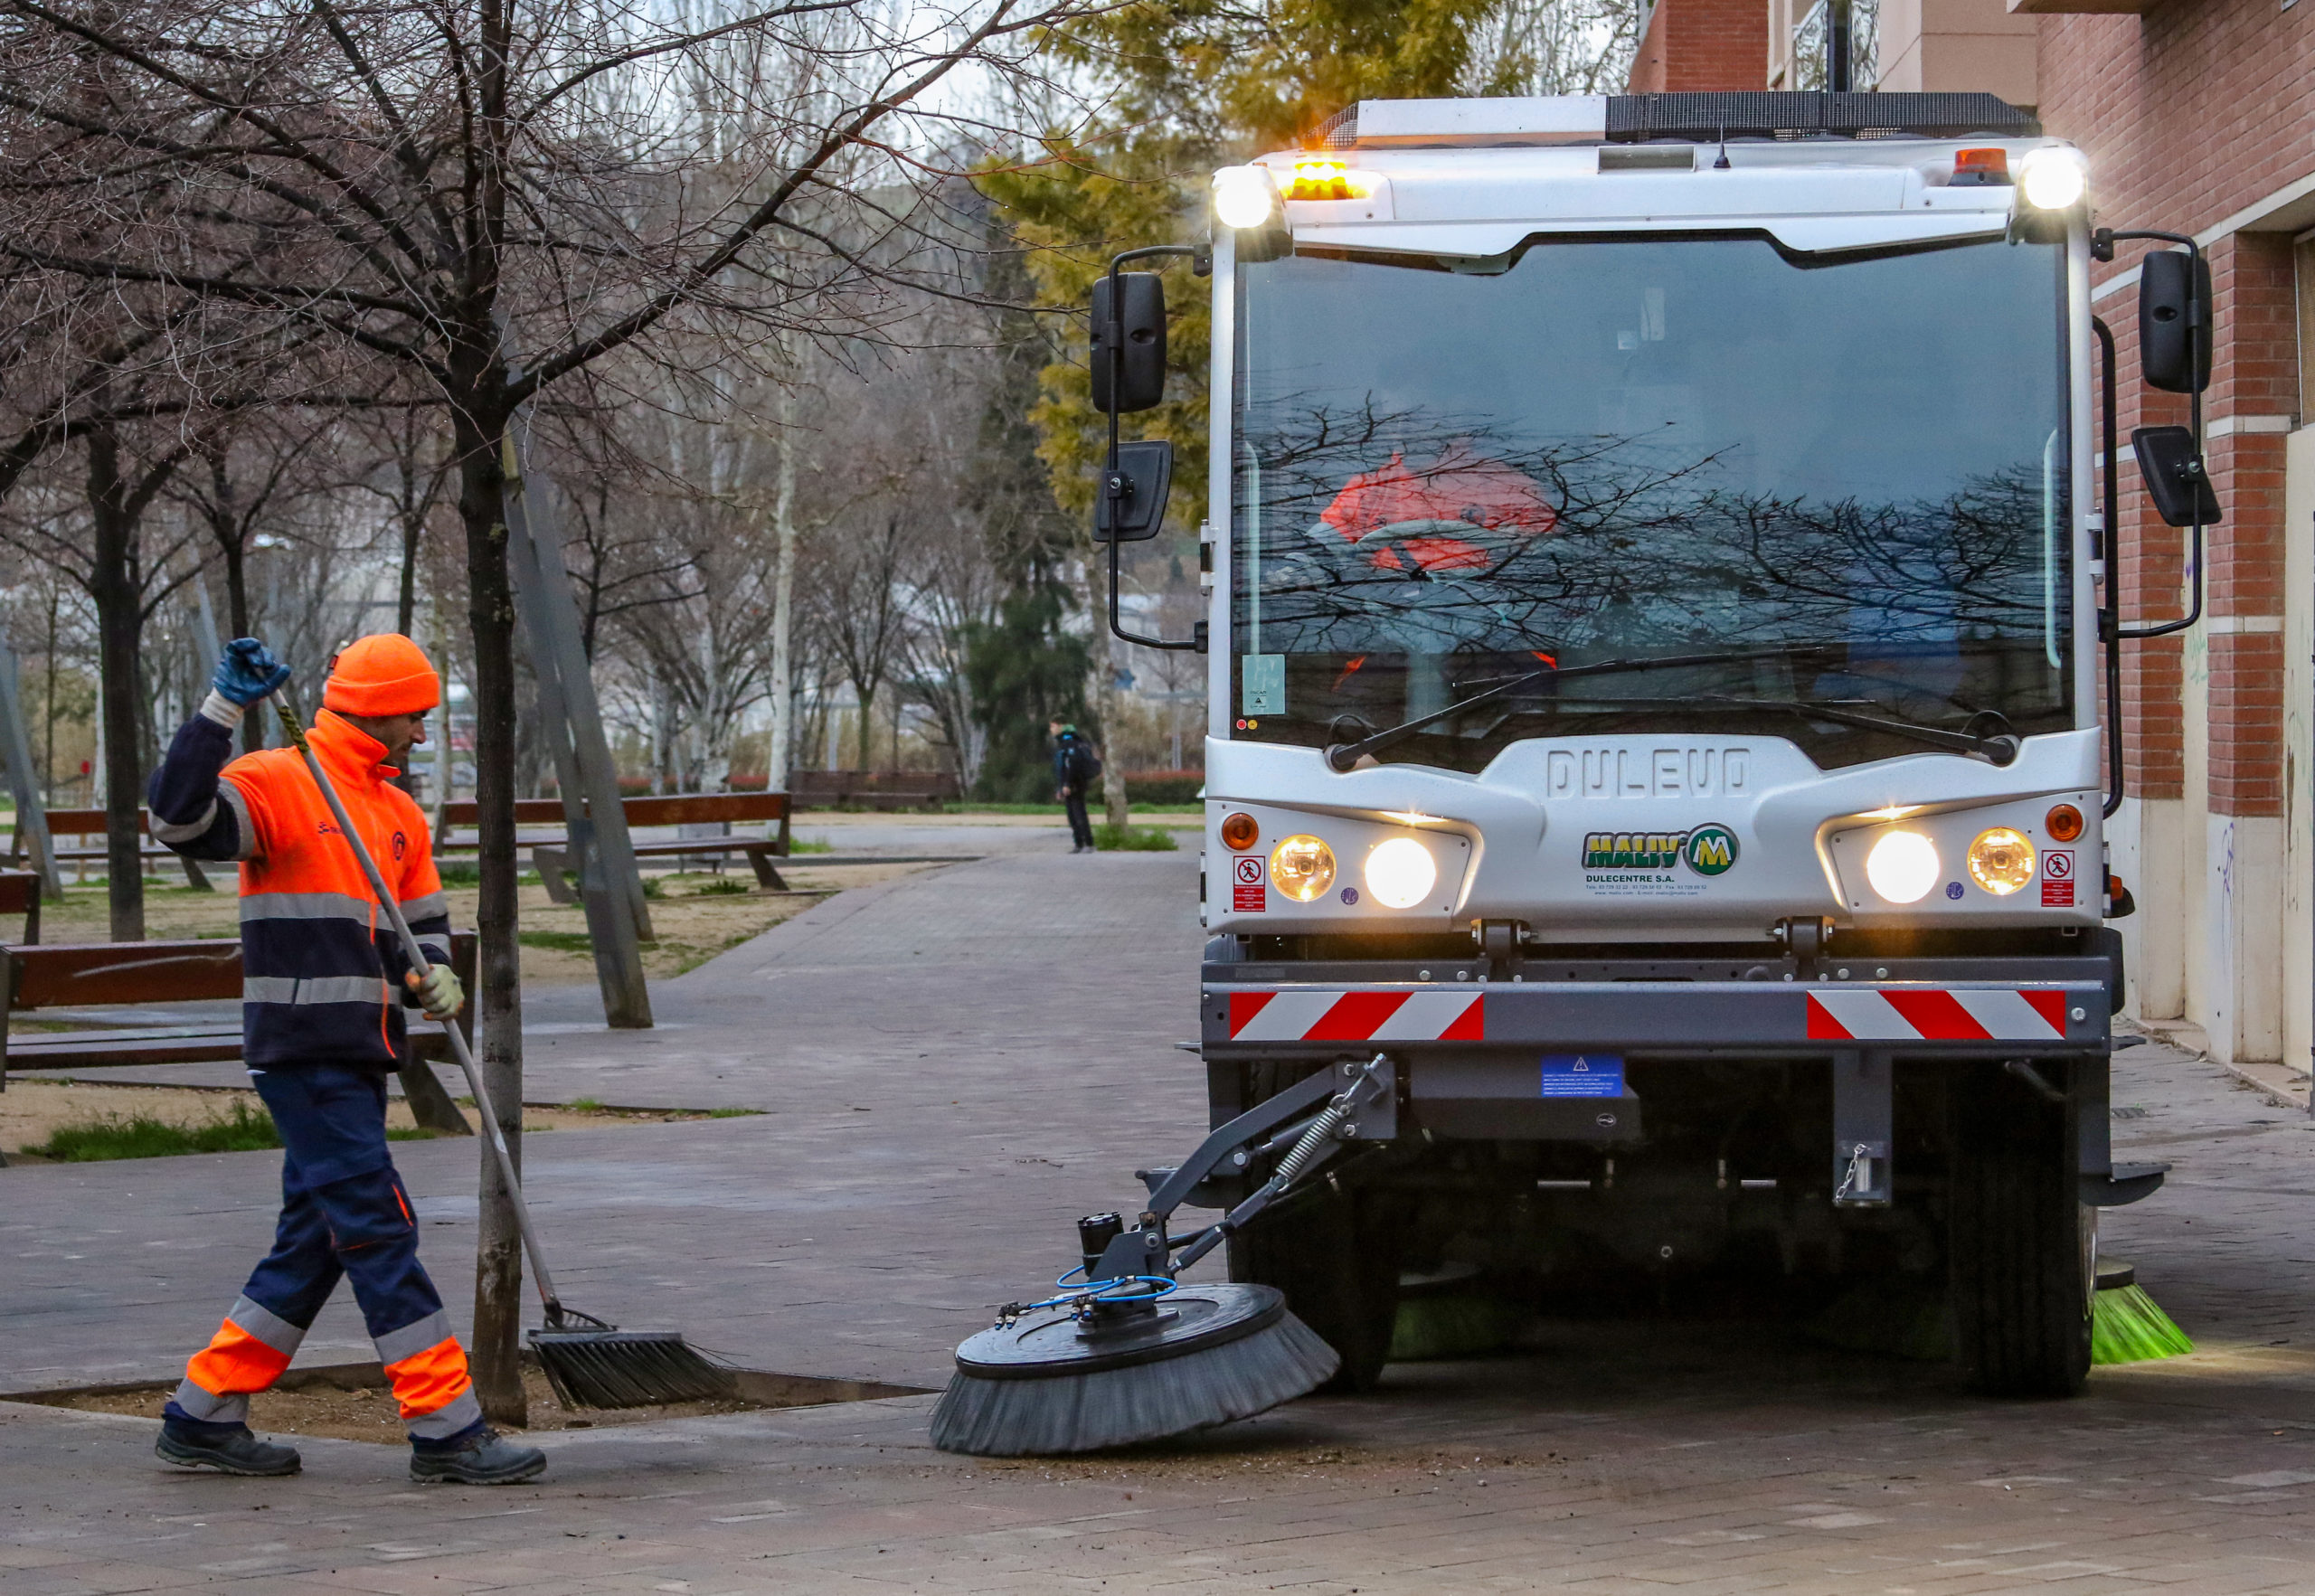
[(1084, 764)]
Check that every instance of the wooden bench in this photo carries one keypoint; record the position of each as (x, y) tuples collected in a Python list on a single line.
[(20, 895), (873, 790), (551, 855), (105, 975), (62, 823)]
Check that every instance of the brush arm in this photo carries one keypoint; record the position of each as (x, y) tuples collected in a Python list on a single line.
[(415, 952)]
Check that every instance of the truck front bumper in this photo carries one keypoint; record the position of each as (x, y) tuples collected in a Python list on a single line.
[(1662, 1019)]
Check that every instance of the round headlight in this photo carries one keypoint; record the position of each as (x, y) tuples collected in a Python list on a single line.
[(1902, 866), (1240, 831), (1243, 197), (2001, 861), (1302, 867), (1401, 872), (2052, 179)]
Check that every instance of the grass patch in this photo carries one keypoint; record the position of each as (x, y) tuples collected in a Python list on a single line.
[(732, 1113), (1133, 839), (724, 886), (585, 1105), (560, 941), (246, 1129), (462, 872), (798, 844)]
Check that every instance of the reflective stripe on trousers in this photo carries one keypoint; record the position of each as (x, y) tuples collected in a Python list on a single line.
[(247, 1354)]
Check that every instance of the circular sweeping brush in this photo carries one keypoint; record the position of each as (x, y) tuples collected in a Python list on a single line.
[(1080, 1375)]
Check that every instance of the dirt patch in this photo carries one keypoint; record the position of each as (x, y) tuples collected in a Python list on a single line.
[(31, 1110), (352, 1402), (1239, 1451)]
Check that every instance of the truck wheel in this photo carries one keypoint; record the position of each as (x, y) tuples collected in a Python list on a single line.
[(1335, 1255), (2020, 1242)]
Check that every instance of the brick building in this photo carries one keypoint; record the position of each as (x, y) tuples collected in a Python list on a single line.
[(2199, 117)]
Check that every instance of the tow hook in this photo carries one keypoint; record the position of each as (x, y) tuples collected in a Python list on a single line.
[(1499, 941), (1805, 939)]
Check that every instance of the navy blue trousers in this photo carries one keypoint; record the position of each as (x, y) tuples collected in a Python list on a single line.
[(344, 1213)]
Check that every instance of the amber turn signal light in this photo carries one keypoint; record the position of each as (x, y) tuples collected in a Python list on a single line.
[(2064, 823), (1239, 831)]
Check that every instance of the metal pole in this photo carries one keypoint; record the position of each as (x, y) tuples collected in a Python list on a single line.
[(596, 768), (612, 932), (17, 749)]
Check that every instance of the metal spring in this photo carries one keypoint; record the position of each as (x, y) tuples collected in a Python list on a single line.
[(1322, 1129)]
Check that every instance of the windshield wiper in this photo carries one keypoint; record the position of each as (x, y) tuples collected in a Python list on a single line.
[(1996, 747), (1344, 757)]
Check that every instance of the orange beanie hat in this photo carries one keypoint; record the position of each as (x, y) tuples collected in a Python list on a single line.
[(384, 673)]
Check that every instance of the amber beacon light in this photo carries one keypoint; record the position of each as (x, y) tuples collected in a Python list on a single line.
[(1240, 832)]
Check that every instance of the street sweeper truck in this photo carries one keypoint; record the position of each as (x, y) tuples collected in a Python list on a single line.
[(1660, 559)]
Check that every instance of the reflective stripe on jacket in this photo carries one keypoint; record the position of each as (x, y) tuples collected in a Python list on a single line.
[(321, 975)]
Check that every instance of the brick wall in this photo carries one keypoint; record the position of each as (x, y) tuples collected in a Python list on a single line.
[(1694, 46), (2190, 114)]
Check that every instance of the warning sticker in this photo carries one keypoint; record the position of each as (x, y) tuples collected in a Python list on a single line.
[(1248, 888), (1576, 1074), (2057, 879)]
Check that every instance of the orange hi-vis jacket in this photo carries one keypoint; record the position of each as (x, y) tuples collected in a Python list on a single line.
[(321, 973)]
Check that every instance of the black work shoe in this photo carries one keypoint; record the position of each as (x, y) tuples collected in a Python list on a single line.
[(487, 1458), (235, 1451)]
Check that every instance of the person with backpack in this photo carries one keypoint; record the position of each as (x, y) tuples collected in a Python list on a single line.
[(1075, 768)]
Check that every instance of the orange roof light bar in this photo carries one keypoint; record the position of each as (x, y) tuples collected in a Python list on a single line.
[(1326, 177), (1980, 168)]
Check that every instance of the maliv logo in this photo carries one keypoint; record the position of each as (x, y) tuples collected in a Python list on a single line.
[(1708, 850)]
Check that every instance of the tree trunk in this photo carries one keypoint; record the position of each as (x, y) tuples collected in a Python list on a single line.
[(235, 554), (866, 740), (113, 588), (413, 525), (783, 601), (498, 1259)]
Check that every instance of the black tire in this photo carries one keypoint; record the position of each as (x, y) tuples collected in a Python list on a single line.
[(1334, 1254), (2021, 1246)]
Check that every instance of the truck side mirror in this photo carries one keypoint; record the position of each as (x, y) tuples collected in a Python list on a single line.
[(1138, 329), (2174, 323), (2174, 476), (1146, 480)]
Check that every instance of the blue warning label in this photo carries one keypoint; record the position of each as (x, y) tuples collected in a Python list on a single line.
[(1583, 1074)]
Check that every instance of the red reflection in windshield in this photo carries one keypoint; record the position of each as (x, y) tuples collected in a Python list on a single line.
[(1462, 512)]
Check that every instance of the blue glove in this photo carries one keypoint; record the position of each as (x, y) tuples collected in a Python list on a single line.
[(248, 672)]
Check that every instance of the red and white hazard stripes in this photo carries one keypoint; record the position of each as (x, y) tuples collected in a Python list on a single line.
[(1936, 1013), (1357, 1016)]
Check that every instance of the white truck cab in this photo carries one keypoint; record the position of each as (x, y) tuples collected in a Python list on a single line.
[(1656, 549)]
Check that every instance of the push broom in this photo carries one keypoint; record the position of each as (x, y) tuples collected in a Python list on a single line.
[(590, 1363)]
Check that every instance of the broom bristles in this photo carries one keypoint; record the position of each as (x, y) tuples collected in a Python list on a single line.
[(2126, 1326), (627, 1368), (1143, 1402)]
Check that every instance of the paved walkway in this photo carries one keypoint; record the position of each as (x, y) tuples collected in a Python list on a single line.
[(951, 1068), (958, 1065)]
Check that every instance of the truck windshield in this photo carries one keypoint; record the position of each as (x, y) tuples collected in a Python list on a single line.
[(1848, 479)]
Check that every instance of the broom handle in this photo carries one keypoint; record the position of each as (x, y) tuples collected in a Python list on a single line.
[(415, 951)]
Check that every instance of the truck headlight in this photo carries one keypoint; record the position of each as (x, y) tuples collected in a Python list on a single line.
[(2052, 179), (1244, 196), (1902, 866), (2001, 861), (1302, 867), (1401, 872)]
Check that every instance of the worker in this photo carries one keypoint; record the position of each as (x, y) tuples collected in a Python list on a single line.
[(321, 1026), (1075, 766)]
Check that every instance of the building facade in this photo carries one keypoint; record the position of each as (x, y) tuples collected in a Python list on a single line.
[(2199, 117)]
